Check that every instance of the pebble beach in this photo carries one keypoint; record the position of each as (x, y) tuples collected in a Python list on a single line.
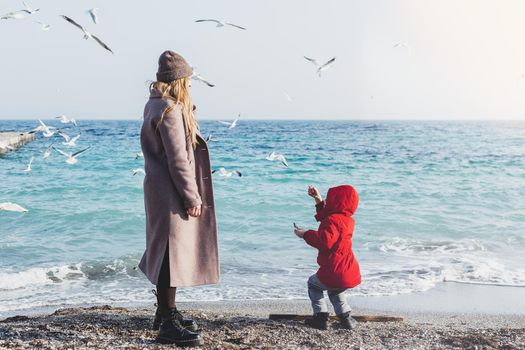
[(246, 326)]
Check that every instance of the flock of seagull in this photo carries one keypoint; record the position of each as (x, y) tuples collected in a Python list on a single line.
[(70, 141), (71, 157)]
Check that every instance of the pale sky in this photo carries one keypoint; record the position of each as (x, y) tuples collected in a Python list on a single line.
[(466, 58)]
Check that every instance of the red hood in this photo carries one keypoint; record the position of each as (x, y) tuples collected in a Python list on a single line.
[(340, 200)]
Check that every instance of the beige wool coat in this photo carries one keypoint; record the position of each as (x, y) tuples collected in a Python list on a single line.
[(177, 177)]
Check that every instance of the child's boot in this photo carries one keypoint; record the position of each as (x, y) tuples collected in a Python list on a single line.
[(319, 321), (346, 321)]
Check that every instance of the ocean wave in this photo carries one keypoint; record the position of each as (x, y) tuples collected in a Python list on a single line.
[(38, 276)]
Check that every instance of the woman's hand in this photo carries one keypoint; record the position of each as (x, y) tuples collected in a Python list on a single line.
[(299, 232), (195, 211), (315, 194)]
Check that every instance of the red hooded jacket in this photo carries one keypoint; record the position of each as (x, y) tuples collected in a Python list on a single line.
[(338, 267)]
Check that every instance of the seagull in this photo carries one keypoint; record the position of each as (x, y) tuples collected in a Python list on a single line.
[(405, 46), (321, 67), (232, 124), (71, 157), (28, 168), (220, 23), (64, 120), (28, 9), (45, 27), (210, 138), (70, 141), (47, 152), (139, 155), (198, 77), (93, 13), (222, 172), (288, 97), (280, 157), (139, 171), (46, 130), (13, 15), (8, 206), (87, 34)]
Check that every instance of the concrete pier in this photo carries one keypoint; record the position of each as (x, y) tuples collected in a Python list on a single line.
[(10, 141)]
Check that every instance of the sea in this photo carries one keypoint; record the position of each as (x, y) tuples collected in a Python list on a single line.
[(440, 202)]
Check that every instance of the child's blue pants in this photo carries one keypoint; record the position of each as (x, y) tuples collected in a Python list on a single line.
[(337, 297)]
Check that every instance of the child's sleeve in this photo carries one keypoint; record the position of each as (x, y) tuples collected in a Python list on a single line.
[(324, 238), (319, 208)]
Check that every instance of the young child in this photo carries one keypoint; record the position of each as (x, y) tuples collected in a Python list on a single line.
[(338, 268)]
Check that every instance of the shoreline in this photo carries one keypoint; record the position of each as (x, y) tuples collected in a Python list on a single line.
[(446, 298)]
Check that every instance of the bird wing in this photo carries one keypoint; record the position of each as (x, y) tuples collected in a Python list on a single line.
[(12, 207), (208, 20), (238, 173), (62, 152), (101, 43), (93, 15), (236, 26), (75, 138), (198, 77), (66, 137), (225, 123), (73, 23), (328, 63), (283, 160), (312, 60), (31, 161), (81, 151)]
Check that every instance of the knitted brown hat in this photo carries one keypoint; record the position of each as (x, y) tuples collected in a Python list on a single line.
[(172, 66)]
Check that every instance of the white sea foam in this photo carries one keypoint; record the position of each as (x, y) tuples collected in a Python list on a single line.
[(38, 276)]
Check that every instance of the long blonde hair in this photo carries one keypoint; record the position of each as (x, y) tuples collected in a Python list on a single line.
[(178, 91)]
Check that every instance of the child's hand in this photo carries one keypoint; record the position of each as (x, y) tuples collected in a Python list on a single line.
[(299, 232), (315, 194)]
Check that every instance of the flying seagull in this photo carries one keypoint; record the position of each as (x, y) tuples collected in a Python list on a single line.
[(288, 97), (210, 138), (321, 67), (46, 130), (232, 124), (64, 120), (47, 152), (45, 26), (404, 46), (93, 13), (222, 172), (71, 157), (87, 34), (70, 141), (28, 168), (220, 23), (8, 206), (139, 155), (280, 157), (139, 171), (198, 77), (28, 9)]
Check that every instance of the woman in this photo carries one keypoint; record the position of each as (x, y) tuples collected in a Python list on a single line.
[(181, 230)]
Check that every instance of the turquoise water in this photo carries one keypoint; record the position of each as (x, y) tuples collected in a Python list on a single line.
[(439, 201)]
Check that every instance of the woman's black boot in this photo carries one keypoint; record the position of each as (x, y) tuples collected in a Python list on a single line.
[(319, 321), (172, 332), (187, 323)]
